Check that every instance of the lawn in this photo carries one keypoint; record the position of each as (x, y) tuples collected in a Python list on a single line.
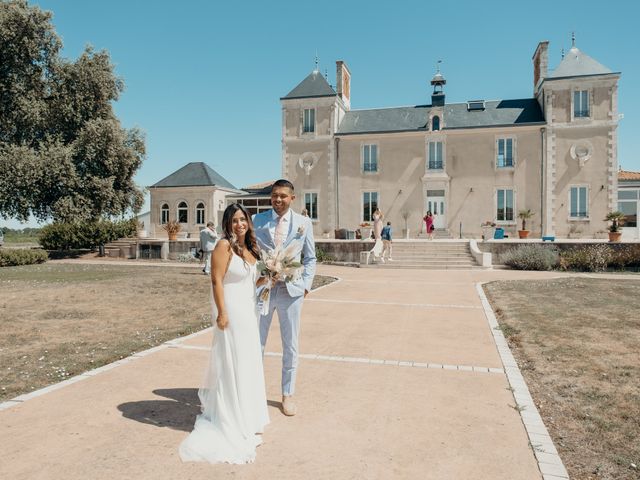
[(59, 320), (577, 341)]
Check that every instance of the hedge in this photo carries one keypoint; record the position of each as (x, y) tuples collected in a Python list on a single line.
[(14, 257), (70, 236)]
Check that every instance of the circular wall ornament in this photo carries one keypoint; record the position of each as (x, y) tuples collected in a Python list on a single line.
[(581, 151), (307, 162)]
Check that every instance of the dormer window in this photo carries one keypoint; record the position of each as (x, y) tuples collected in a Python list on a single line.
[(473, 105), (435, 123), (309, 120), (581, 104)]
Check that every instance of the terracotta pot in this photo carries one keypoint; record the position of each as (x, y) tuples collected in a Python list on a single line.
[(523, 233), (614, 236), (173, 237)]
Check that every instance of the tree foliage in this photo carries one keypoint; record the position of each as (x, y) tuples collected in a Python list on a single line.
[(63, 153)]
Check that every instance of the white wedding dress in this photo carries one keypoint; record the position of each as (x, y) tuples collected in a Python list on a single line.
[(233, 398)]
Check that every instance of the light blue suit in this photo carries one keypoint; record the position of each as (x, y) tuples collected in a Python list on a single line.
[(286, 298)]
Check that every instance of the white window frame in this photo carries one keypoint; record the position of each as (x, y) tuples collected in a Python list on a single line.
[(371, 210), (513, 152), (163, 220), (178, 209), (199, 210), (589, 103), (442, 155), (513, 221), (439, 123), (304, 199), (363, 148), (312, 125), (588, 188)]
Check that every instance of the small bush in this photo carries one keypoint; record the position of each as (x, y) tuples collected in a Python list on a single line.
[(70, 236), (625, 256), (22, 256), (531, 257), (587, 258), (186, 258), (322, 256)]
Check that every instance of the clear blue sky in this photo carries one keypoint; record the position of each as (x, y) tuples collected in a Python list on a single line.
[(204, 78)]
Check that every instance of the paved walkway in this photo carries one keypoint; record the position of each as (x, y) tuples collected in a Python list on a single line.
[(399, 378)]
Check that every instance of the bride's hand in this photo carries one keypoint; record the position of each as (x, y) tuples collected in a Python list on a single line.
[(222, 321), (261, 281)]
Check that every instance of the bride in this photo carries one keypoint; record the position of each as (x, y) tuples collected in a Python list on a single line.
[(233, 399)]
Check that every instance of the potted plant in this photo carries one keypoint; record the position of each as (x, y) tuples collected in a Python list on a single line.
[(365, 229), (617, 219), (524, 215), (172, 227)]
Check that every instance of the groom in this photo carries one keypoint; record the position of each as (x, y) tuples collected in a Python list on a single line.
[(278, 228)]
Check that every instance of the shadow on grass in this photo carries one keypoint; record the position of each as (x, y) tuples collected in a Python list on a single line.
[(177, 413)]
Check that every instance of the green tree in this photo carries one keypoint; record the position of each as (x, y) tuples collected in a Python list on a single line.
[(63, 153)]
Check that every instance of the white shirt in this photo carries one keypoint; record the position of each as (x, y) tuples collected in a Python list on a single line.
[(286, 218)]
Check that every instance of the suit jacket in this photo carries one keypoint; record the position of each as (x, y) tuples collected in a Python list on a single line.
[(301, 231), (208, 239)]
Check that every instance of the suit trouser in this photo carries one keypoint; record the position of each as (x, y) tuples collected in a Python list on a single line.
[(207, 261), (289, 309)]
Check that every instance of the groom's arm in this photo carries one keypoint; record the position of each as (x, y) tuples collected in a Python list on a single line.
[(309, 260)]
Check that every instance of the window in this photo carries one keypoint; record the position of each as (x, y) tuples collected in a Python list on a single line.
[(200, 214), (311, 204), (581, 104), (475, 105), (435, 156), (579, 202), (630, 210), (504, 157), (370, 158), (183, 212), (435, 123), (309, 121), (369, 203), (164, 214), (504, 202)]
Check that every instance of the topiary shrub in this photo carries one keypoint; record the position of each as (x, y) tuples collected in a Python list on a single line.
[(531, 257), (70, 236), (22, 256), (626, 256), (586, 258)]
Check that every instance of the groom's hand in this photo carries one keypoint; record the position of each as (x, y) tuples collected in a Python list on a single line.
[(306, 292)]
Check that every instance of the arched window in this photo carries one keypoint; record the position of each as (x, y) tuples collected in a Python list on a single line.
[(164, 213), (200, 214), (183, 212), (435, 123)]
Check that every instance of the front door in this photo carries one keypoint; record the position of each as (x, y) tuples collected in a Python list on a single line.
[(436, 205)]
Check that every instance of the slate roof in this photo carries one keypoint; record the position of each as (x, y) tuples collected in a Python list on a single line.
[(194, 174), (456, 115), (315, 85), (576, 64)]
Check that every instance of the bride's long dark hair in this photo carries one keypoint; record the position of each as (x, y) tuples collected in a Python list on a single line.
[(250, 242)]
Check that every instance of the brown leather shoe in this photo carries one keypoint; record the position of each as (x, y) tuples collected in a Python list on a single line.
[(288, 406)]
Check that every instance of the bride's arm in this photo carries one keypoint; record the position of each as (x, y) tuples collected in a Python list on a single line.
[(219, 264)]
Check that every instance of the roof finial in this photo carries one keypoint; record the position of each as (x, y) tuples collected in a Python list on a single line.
[(316, 69), (438, 66), (562, 52), (326, 74), (573, 39)]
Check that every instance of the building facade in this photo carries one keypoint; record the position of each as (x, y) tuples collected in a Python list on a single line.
[(468, 162), (193, 195), (629, 203)]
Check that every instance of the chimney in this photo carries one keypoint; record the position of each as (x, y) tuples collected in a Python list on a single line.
[(343, 83), (540, 64)]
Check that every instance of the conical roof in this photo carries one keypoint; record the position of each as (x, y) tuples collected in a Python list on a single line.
[(315, 85), (194, 174), (578, 64)]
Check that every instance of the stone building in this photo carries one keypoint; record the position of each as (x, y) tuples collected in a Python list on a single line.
[(629, 203), (194, 195), (469, 162)]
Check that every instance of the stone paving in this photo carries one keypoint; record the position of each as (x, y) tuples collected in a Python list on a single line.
[(401, 376)]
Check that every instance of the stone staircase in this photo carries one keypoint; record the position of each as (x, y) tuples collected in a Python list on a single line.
[(429, 255), (121, 248), (438, 234)]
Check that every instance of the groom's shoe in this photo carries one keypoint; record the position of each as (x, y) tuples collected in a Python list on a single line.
[(288, 407)]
